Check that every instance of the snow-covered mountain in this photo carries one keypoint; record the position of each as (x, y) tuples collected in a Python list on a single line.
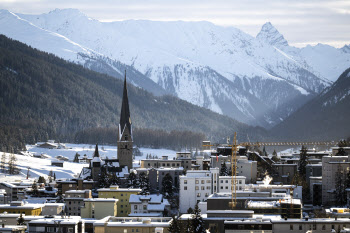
[(259, 80), (326, 117)]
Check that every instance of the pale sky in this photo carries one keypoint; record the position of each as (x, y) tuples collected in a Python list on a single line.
[(300, 21)]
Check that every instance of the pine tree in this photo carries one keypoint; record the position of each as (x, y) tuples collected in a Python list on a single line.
[(20, 220), (190, 210), (340, 193), (54, 176), (197, 221), (132, 181), (35, 188), (76, 158), (303, 162), (144, 183), (3, 162), (223, 170), (188, 227), (167, 186), (174, 226), (41, 180), (50, 175), (103, 179), (274, 153), (114, 179), (12, 164)]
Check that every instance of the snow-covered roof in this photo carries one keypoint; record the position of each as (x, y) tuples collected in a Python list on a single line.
[(101, 200), (152, 199)]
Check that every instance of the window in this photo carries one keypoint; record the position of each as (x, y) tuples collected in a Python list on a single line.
[(226, 187), (208, 187), (226, 181), (221, 181), (144, 207), (221, 187), (197, 181), (126, 137), (291, 227), (135, 207), (185, 188), (323, 227), (121, 194), (198, 194), (314, 227), (185, 181), (208, 181), (202, 188), (202, 181), (121, 206), (197, 188)]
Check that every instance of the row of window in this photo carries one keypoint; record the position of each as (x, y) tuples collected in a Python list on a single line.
[(197, 181), (197, 188), (226, 181), (312, 227)]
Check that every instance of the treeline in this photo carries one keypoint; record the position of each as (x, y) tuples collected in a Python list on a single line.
[(153, 138), (43, 96)]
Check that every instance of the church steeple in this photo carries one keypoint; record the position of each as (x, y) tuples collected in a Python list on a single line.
[(96, 154), (125, 143), (125, 120)]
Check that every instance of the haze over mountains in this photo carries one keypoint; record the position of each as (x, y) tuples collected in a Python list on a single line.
[(257, 80), (326, 117)]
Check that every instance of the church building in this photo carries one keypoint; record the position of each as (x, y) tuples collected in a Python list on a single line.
[(125, 139)]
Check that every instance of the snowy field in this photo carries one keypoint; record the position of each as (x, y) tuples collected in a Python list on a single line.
[(105, 151), (42, 166)]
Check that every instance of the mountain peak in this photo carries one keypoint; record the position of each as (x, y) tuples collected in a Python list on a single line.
[(346, 48), (271, 35)]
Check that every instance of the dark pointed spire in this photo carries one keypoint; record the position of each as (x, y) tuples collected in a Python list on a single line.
[(96, 154), (125, 119)]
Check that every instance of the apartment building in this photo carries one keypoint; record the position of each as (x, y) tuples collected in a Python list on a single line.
[(122, 194)]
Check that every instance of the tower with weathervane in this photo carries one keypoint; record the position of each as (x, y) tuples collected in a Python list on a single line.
[(125, 139)]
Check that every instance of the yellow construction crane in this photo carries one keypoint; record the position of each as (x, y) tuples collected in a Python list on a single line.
[(234, 146), (233, 203)]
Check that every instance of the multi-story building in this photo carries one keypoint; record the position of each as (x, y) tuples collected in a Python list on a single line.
[(74, 184), (122, 194), (68, 225), (74, 200), (99, 208), (3, 196), (225, 183), (333, 167), (132, 224), (52, 209), (283, 173), (148, 205), (14, 190), (196, 186), (18, 207)]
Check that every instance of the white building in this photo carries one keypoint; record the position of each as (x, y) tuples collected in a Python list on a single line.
[(148, 205), (196, 186), (225, 183), (52, 209)]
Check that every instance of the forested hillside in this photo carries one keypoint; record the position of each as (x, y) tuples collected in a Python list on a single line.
[(324, 118), (43, 96)]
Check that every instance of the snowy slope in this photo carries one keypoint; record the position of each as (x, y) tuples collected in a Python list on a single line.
[(323, 60), (40, 167), (20, 29), (254, 80)]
